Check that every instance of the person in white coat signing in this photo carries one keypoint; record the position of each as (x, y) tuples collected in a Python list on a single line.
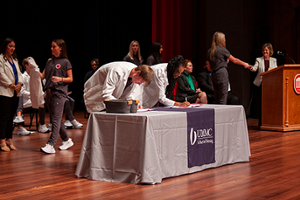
[(161, 88), (262, 64), (115, 80)]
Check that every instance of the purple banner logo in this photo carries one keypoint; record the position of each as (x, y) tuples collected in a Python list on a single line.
[(201, 136)]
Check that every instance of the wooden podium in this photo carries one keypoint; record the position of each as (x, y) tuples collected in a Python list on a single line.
[(280, 101)]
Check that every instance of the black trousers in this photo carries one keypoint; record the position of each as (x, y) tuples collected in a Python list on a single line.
[(8, 108)]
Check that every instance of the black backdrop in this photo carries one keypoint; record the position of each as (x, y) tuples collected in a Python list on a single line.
[(104, 29), (91, 29)]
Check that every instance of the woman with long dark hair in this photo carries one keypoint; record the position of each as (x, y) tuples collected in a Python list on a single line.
[(58, 73), (155, 54), (10, 86)]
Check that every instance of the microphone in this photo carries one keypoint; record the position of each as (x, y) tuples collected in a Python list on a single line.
[(281, 53)]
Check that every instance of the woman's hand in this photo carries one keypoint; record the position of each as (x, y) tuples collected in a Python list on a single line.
[(12, 86), (18, 88), (56, 79), (198, 90)]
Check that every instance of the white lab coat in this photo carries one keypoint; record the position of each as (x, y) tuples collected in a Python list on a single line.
[(25, 90), (108, 82), (36, 89), (156, 91)]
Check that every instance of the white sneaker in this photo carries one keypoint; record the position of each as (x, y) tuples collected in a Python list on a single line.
[(66, 144), (43, 128), (22, 131), (18, 120), (68, 124), (48, 149), (50, 127), (76, 124)]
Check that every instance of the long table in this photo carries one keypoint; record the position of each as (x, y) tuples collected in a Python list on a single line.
[(149, 146)]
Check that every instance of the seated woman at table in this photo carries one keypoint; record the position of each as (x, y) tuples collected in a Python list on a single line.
[(187, 87)]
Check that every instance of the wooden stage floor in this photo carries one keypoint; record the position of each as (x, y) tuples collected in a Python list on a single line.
[(272, 173)]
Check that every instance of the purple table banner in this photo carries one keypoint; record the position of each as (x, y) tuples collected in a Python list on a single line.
[(200, 134)]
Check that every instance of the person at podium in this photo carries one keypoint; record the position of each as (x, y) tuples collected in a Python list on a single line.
[(262, 64)]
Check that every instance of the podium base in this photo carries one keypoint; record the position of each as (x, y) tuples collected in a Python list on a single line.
[(269, 127)]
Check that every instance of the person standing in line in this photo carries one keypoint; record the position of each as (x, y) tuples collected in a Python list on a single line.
[(218, 57), (134, 54), (70, 122), (25, 100), (10, 86), (155, 54), (95, 66), (58, 73), (262, 64)]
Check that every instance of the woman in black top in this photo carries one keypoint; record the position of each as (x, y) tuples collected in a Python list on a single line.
[(187, 88), (134, 54), (155, 54)]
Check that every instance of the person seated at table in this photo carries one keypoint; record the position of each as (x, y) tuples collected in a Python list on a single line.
[(161, 88), (205, 84), (115, 80), (187, 86)]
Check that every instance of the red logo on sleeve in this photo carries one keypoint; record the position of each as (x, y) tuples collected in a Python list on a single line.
[(297, 83), (57, 66)]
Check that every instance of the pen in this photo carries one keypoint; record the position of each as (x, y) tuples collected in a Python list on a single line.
[(185, 98)]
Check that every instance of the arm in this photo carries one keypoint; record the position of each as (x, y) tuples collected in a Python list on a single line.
[(238, 62), (204, 83), (42, 75), (68, 79), (183, 87), (255, 67)]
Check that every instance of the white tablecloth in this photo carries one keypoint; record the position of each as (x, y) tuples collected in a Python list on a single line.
[(149, 146)]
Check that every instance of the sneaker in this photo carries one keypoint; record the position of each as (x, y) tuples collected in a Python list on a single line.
[(68, 124), (22, 131), (50, 127), (43, 128), (76, 124), (18, 120), (66, 144), (48, 149)]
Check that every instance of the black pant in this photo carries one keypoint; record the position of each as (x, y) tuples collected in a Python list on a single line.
[(8, 108)]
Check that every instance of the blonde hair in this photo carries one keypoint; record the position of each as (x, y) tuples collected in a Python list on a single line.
[(269, 46), (218, 40), (130, 53), (146, 73)]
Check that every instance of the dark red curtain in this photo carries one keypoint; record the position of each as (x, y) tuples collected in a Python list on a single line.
[(178, 25)]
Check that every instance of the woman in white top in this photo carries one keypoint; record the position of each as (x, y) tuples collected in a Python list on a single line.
[(262, 64), (10, 86)]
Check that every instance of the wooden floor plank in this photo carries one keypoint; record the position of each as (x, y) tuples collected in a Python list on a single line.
[(272, 172)]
